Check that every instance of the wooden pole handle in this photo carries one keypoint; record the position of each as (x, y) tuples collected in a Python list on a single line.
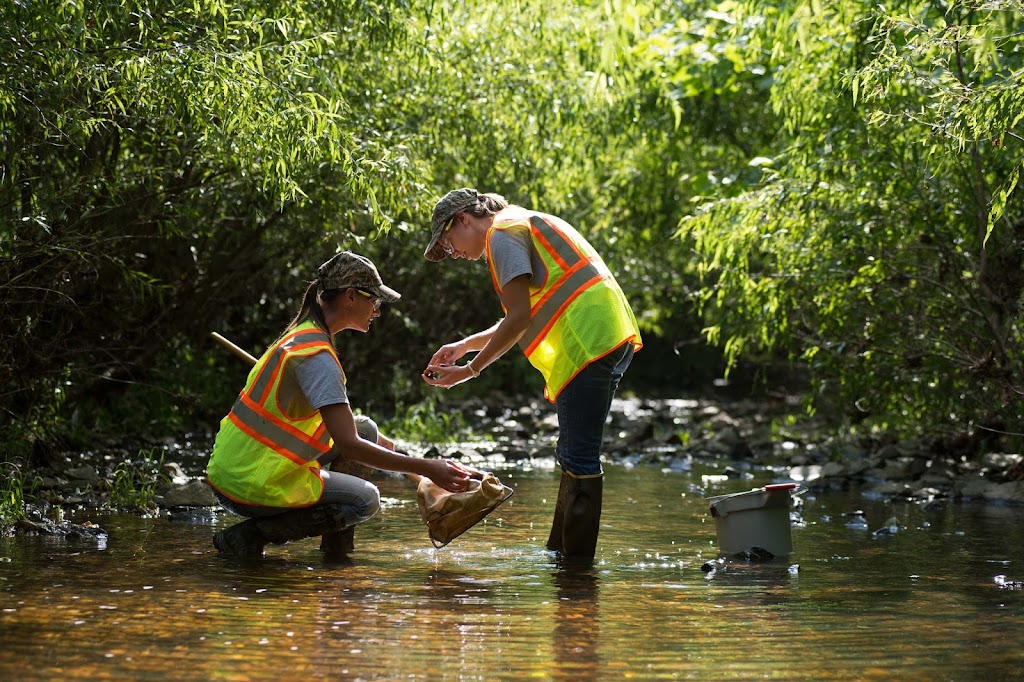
[(233, 348)]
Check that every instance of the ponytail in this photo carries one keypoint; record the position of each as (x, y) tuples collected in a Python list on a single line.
[(311, 310)]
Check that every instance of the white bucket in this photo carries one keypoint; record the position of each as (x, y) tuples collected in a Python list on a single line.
[(756, 518)]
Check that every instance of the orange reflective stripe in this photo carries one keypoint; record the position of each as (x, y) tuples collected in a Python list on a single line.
[(274, 433), (544, 316), (323, 436), (263, 440)]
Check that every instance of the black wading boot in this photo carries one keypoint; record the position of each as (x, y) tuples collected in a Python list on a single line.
[(582, 516), (248, 538), (243, 540), (558, 521), (337, 546)]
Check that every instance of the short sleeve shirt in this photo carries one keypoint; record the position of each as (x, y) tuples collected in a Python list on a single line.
[(319, 378), (512, 255)]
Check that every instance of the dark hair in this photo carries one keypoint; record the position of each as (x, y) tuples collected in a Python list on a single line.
[(310, 308), (487, 205)]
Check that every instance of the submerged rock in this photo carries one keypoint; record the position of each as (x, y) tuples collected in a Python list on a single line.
[(755, 554), (856, 520), (712, 566), (891, 527), (64, 529)]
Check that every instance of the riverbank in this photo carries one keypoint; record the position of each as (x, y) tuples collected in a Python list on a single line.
[(740, 437)]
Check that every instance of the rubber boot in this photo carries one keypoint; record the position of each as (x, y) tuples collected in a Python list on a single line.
[(247, 539), (339, 544), (298, 524), (582, 516), (243, 540), (558, 521)]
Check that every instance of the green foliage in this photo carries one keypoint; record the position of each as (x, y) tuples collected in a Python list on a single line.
[(135, 482), (15, 488), (426, 422), (874, 250), (153, 158), (835, 184)]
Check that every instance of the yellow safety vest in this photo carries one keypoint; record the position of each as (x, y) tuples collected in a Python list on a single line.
[(262, 455), (578, 314)]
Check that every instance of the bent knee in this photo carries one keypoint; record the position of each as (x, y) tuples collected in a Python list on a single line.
[(366, 428), (370, 503)]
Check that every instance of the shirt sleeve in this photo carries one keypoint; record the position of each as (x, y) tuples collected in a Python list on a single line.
[(510, 249), (319, 378)]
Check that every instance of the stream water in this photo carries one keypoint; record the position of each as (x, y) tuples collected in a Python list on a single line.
[(939, 599)]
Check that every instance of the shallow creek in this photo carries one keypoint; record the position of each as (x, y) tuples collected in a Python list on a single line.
[(938, 599)]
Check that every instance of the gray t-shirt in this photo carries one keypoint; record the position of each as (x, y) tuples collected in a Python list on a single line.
[(319, 378), (512, 254)]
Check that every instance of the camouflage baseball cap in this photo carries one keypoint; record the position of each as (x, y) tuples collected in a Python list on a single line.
[(450, 204), (349, 269)]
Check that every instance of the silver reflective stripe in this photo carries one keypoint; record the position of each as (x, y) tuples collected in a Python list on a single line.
[(561, 292), (274, 433), (565, 250), (259, 386)]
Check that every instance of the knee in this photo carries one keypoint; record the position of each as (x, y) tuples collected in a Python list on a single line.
[(366, 428), (370, 503)]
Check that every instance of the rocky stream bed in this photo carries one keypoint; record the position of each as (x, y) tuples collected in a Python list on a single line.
[(738, 437)]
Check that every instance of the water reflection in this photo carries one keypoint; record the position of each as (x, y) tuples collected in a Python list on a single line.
[(157, 602), (577, 622)]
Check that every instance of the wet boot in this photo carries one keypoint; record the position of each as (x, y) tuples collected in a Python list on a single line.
[(339, 544), (557, 522), (582, 520), (243, 540), (301, 523), (247, 539)]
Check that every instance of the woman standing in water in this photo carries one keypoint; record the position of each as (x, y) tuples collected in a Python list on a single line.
[(566, 311)]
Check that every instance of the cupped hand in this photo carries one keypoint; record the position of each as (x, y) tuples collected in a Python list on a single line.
[(449, 475), (446, 376)]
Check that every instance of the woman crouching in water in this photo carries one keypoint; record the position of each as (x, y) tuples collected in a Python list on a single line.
[(293, 418)]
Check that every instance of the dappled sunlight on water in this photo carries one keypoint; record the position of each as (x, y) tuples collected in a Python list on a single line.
[(157, 602)]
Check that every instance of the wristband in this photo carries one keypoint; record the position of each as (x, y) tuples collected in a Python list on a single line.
[(475, 372)]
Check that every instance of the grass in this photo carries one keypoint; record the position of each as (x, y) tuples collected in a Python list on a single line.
[(135, 482), (14, 489), (424, 422)]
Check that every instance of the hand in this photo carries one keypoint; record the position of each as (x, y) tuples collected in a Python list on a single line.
[(449, 475), (448, 354), (447, 376)]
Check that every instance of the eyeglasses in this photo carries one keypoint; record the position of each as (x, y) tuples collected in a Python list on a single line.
[(444, 242), (367, 294)]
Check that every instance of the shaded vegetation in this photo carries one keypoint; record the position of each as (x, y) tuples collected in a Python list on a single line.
[(832, 185)]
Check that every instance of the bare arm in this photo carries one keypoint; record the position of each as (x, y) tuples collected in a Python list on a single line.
[(342, 426), (492, 343)]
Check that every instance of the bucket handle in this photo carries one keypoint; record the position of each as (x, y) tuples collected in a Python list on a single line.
[(796, 488)]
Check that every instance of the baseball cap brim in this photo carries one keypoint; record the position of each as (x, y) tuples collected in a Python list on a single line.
[(384, 293), (434, 252)]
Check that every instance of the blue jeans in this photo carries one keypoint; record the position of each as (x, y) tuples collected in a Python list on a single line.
[(583, 407)]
